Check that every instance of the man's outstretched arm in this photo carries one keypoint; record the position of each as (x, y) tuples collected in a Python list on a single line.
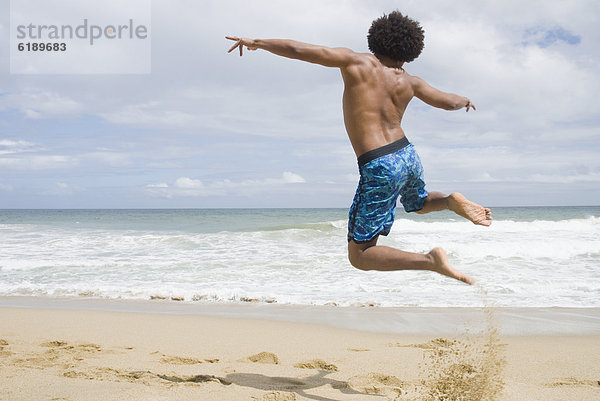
[(327, 56), (437, 98)]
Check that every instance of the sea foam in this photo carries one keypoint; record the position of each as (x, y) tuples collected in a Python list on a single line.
[(297, 259)]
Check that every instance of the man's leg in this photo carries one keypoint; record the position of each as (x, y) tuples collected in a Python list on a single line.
[(460, 205), (370, 256)]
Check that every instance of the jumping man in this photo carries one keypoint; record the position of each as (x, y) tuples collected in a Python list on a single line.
[(377, 91)]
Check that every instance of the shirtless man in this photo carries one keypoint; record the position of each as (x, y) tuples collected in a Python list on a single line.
[(377, 91)]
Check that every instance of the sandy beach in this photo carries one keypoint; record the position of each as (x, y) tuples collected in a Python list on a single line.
[(72, 355)]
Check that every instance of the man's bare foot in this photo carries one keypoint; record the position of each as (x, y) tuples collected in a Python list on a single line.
[(442, 266), (469, 210)]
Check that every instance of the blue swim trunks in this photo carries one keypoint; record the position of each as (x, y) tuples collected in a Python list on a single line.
[(386, 173)]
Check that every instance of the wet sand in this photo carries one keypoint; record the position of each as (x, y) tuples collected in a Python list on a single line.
[(66, 354)]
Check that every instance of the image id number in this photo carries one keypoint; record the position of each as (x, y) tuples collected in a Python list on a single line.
[(42, 47)]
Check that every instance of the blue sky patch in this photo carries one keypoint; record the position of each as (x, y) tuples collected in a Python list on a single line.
[(547, 37)]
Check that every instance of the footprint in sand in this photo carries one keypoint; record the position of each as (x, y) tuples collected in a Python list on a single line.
[(573, 381), (195, 379), (98, 373), (55, 343), (317, 364), (45, 360), (358, 349), (436, 343), (276, 396), (179, 360), (264, 357), (88, 347), (3, 352), (78, 352), (74, 374), (143, 376), (376, 383)]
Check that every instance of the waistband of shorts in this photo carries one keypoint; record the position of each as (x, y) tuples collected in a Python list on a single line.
[(382, 151)]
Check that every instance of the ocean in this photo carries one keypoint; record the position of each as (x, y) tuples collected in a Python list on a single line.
[(529, 257)]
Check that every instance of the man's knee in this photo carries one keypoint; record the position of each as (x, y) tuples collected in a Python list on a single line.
[(354, 259), (355, 256), (356, 263)]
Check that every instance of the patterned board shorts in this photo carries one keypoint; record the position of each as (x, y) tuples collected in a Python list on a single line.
[(385, 173)]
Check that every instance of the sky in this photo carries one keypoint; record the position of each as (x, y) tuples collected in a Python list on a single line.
[(208, 129)]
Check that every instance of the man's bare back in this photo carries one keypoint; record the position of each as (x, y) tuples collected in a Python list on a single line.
[(374, 101), (377, 91), (376, 94)]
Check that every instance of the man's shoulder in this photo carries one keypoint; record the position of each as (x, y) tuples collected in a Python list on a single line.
[(362, 61), (368, 58), (417, 79)]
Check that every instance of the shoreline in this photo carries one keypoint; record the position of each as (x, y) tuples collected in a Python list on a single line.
[(510, 321)]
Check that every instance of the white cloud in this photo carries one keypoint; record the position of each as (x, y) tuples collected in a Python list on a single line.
[(286, 178), (527, 87), (566, 179), (24, 155), (38, 162), (5, 187), (150, 114), (185, 186), (10, 147), (41, 104), (62, 189), (108, 158), (504, 164), (542, 178), (188, 183), (292, 178), (350, 177), (15, 144)]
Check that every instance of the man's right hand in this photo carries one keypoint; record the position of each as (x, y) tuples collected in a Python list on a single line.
[(240, 43)]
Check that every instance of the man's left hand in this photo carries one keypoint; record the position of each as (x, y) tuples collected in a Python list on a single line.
[(468, 106), (240, 43)]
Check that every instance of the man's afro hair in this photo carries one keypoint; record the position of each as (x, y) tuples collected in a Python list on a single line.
[(396, 36)]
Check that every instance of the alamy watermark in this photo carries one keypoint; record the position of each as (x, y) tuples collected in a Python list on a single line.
[(57, 37)]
